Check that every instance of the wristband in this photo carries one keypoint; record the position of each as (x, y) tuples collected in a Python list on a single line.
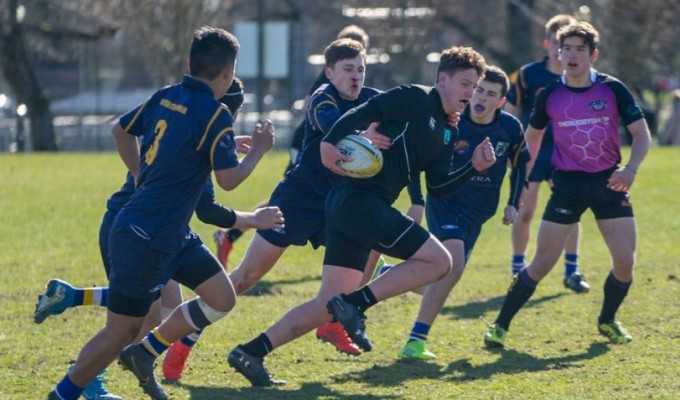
[(629, 168)]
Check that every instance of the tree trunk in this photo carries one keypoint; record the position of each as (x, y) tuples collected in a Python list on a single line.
[(21, 78)]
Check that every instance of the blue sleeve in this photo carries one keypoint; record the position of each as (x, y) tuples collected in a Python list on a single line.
[(323, 112), (218, 140)]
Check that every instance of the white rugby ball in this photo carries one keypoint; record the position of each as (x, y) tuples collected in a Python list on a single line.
[(367, 159)]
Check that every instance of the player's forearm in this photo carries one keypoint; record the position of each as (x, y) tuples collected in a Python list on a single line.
[(533, 138), (236, 175), (352, 120), (442, 186), (642, 140)]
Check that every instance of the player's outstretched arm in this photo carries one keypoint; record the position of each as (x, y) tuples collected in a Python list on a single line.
[(260, 218), (262, 140)]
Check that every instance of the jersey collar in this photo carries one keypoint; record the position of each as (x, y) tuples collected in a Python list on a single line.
[(192, 83)]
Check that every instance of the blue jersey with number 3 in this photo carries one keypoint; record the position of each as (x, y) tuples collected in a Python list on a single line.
[(184, 133)]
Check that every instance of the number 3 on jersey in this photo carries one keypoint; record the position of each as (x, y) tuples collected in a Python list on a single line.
[(161, 126)]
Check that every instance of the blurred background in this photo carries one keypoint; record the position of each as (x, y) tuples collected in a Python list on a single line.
[(68, 68)]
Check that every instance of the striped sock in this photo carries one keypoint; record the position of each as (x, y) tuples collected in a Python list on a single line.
[(192, 338), (570, 264), (95, 296), (419, 332), (517, 263), (154, 343)]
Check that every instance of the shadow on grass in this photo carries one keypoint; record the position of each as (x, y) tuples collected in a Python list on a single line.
[(313, 390), (474, 309), (510, 362), (513, 362), (268, 288)]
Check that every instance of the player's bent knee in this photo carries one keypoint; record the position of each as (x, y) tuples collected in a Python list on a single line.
[(199, 314)]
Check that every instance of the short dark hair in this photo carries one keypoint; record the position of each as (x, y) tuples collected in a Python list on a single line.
[(460, 58), (212, 50), (555, 23), (342, 49), (580, 29), (233, 99), (495, 74), (354, 32)]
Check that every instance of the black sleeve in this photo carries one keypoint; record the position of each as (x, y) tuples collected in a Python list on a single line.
[(539, 118), (415, 192), (517, 178), (395, 105), (441, 185), (359, 116), (519, 157), (628, 109), (209, 211)]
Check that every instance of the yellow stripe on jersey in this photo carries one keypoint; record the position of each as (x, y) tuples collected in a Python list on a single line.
[(216, 141), (132, 121), (207, 128), (331, 102)]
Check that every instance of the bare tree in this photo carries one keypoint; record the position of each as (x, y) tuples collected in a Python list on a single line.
[(20, 76)]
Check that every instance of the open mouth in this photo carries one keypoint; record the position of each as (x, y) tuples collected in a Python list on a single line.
[(479, 108)]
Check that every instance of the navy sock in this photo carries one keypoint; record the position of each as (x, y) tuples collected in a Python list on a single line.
[(570, 264), (419, 332), (614, 293), (521, 289), (517, 263), (362, 298), (191, 339), (67, 390), (258, 347)]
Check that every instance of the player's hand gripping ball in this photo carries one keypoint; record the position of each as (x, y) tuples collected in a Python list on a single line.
[(367, 159)]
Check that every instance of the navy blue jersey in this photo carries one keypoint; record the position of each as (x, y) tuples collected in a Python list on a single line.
[(525, 86), (119, 198), (326, 107), (481, 195), (185, 133), (422, 140)]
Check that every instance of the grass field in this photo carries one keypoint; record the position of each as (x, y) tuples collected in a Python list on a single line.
[(51, 209)]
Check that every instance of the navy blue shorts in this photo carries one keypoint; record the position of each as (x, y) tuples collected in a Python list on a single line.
[(303, 209), (574, 192), (104, 231), (447, 221), (139, 272), (358, 221)]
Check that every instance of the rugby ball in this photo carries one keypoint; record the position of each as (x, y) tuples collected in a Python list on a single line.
[(366, 158)]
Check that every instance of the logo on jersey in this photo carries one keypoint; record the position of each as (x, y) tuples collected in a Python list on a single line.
[(501, 148), (432, 123), (461, 147), (447, 136), (450, 227), (597, 105)]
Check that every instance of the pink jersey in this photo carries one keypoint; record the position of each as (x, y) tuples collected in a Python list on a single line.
[(585, 122)]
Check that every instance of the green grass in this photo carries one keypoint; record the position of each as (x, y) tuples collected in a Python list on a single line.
[(51, 209)]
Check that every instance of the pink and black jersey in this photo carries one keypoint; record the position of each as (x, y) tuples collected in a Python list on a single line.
[(585, 122)]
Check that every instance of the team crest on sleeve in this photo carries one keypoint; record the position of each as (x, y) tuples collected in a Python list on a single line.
[(501, 148)]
